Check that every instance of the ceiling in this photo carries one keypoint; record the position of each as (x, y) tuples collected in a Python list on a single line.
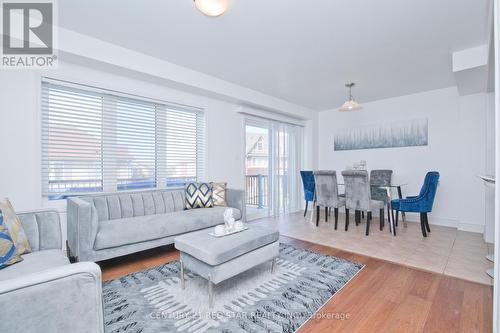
[(300, 51)]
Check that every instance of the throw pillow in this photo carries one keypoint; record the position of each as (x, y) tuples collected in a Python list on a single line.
[(219, 194), (8, 253), (15, 227), (198, 195)]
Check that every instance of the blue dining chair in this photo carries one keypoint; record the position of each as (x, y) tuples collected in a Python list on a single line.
[(309, 187), (421, 203)]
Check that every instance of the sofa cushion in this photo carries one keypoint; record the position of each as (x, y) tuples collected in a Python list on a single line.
[(215, 251), (219, 194), (15, 227), (35, 262), (198, 195), (115, 233), (8, 253)]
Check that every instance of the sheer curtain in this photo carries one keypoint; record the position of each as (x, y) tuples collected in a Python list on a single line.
[(286, 163)]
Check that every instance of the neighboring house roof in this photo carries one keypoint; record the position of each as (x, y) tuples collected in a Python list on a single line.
[(252, 141)]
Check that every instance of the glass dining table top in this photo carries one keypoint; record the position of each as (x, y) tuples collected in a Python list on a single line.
[(383, 185)]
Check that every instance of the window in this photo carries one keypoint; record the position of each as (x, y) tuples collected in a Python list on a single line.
[(95, 140)]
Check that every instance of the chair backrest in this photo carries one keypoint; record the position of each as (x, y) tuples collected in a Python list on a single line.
[(428, 190), (357, 189), (309, 185), (327, 194), (380, 177)]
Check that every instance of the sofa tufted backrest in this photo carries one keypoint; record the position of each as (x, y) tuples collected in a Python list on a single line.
[(43, 229), (131, 204)]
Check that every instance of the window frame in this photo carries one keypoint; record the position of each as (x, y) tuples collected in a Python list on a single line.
[(112, 183)]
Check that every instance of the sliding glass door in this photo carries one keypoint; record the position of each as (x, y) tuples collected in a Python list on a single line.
[(257, 168), (272, 163)]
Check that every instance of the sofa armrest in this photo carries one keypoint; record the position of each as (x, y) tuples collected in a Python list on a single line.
[(236, 199), (62, 299), (82, 228)]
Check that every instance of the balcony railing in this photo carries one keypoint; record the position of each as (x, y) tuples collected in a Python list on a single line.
[(256, 190)]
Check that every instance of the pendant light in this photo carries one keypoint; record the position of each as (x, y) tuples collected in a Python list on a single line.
[(212, 7), (350, 104)]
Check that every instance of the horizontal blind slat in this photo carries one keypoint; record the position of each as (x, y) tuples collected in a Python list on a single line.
[(91, 139)]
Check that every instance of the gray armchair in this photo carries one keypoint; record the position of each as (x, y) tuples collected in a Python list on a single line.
[(358, 197), (44, 292)]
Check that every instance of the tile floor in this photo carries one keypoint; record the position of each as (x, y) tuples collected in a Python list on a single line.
[(446, 250)]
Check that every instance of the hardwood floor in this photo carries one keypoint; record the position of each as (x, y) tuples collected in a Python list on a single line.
[(383, 297)]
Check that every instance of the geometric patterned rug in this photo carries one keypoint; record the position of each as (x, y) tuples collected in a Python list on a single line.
[(255, 301)]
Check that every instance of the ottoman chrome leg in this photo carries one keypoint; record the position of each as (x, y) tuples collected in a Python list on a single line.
[(210, 293), (273, 265), (183, 281)]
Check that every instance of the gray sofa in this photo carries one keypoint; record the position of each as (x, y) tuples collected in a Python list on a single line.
[(105, 226), (44, 292)]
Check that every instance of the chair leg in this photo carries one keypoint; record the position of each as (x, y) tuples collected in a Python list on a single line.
[(397, 217), (336, 213), (357, 217), (426, 219), (346, 219), (317, 215), (381, 219), (368, 220), (307, 206), (422, 224), (362, 214), (326, 214)]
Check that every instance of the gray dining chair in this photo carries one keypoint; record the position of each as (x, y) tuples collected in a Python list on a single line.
[(327, 194), (358, 197), (384, 178)]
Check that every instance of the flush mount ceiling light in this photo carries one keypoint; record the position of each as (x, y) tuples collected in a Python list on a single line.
[(212, 7), (350, 104)]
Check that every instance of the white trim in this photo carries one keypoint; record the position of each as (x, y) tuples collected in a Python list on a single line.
[(272, 116), (496, 269), (96, 89), (448, 222)]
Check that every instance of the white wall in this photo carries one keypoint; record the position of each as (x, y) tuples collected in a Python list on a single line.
[(457, 139), (20, 147)]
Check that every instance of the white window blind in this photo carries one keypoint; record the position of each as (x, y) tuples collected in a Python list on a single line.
[(95, 140)]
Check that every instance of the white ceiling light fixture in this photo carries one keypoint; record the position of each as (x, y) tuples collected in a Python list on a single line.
[(212, 7), (351, 104)]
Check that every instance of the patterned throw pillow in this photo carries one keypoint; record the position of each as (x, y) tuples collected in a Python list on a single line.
[(219, 194), (8, 253), (198, 195), (15, 227)]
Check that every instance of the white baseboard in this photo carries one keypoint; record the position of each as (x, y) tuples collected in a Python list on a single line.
[(448, 222), (471, 227)]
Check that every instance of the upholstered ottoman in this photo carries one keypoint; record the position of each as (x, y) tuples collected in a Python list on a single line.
[(218, 259)]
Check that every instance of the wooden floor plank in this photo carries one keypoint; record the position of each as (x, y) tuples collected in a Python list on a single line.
[(383, 297)]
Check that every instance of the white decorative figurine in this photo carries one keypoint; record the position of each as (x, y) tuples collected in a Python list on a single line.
[(228, 219), (238, 225), (219, 230)]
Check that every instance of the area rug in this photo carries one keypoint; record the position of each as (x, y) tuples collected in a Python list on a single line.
[(256, 301)]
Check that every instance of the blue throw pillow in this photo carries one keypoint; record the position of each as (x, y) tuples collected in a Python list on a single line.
[(8, 253)]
